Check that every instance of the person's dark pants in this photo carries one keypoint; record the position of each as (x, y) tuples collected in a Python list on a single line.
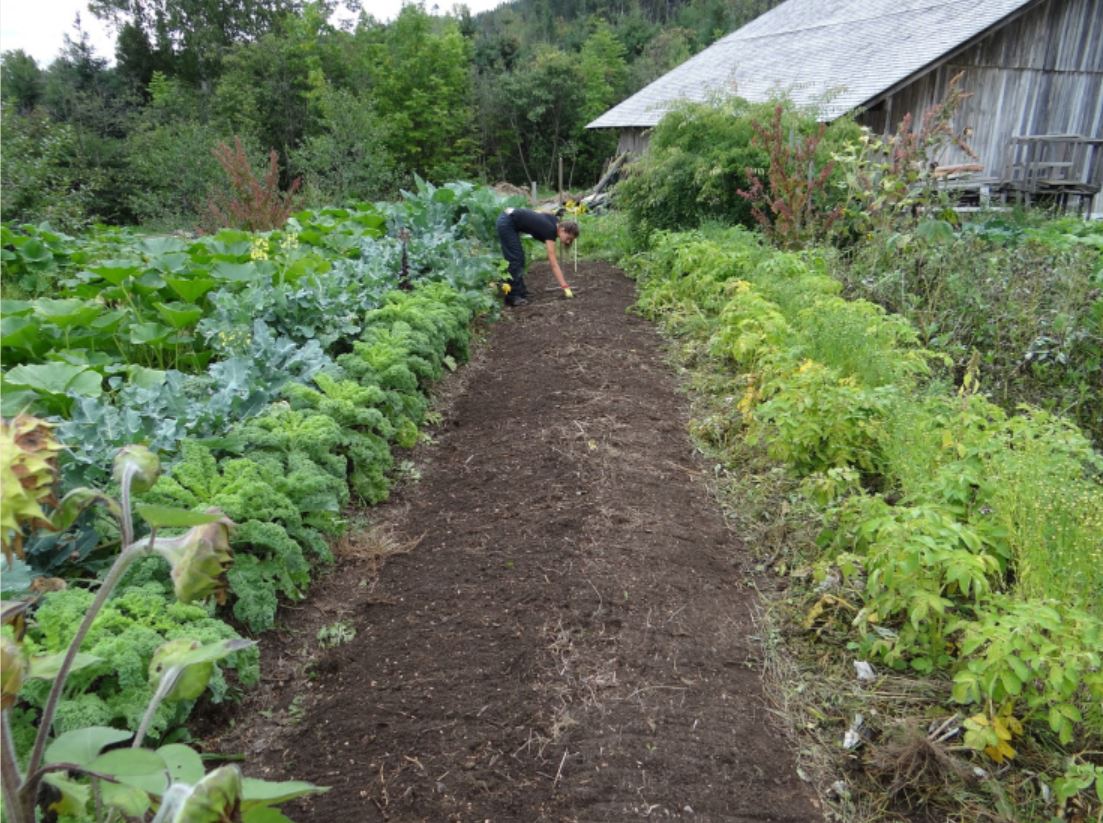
[(514, 254)]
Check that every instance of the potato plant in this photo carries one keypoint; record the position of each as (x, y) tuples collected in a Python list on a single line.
[(970, 535)]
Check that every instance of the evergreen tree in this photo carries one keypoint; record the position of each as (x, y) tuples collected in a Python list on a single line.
[(191, 37), (21, 81)]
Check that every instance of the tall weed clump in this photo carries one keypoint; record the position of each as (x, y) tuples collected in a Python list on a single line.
[(792, 204), (885, 182), (1023, 297), (1027, 301)]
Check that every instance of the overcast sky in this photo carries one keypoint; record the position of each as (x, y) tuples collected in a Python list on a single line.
[(39, 26)]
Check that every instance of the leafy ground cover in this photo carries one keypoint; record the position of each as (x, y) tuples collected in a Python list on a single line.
[(957, 546)]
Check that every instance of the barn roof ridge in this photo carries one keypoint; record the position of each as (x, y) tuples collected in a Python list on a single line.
[(897, 12)]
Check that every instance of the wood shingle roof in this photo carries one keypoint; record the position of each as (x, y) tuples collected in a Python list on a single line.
[(834, 54)]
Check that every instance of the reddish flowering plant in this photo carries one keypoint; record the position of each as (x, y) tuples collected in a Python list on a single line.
[(786, 204), (248, 202)]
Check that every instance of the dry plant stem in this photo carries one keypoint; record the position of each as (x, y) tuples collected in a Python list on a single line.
[(10, 773), (128, 555), (127, 518), (168, 682)]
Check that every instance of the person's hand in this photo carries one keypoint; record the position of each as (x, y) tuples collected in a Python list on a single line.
[(567, 292)]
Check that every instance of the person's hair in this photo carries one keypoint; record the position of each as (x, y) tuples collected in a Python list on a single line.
[(571, 227)]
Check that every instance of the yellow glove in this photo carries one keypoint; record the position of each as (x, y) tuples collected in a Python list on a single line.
[(567, 292), (506, 288)]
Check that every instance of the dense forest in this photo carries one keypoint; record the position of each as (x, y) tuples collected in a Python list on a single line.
[(353, 111)]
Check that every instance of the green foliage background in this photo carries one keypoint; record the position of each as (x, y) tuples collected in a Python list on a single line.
[(354, 112)]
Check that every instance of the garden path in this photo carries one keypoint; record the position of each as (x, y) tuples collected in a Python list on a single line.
[(563, 627)]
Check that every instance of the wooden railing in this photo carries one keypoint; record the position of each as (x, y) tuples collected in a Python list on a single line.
[(1062, 169), (1053, 166)]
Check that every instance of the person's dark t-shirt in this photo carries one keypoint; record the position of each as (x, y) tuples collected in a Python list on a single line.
[(539, 225)]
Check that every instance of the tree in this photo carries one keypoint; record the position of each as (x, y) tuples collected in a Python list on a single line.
[(667, 49), (41, 177), (605, 72), (21, 81), (171, 167), (421, 84), (605, 77), (83, 93), (544, 103), (137, 60), (265, 90), (194, 35), (348, 159), (694, 168)]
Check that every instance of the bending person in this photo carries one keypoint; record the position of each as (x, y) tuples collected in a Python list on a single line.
[(512, 223)]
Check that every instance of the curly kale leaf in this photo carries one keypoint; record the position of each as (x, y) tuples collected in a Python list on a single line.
[(284, 429), (131, 626), (317, 494), (237, 487), (437, 310), (313, 538), (270, 541), (379, 361), (371, 459), (403, 403), (255, 599), (349, 403)]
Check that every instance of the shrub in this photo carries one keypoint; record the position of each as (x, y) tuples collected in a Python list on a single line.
[(43, 178), (1027, 301), (816, 419), (347, 160), (172, 170), (693, 168), (1036, 654), (700, 157)]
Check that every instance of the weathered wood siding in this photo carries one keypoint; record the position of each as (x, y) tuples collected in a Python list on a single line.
[(633, 140), (1042, 73)]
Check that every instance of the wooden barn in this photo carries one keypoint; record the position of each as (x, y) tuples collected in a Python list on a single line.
[(1034, 69)]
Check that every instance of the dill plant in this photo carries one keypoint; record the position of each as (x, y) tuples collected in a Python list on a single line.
[(1045, 493)]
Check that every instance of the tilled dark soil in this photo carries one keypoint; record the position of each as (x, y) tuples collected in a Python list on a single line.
[(566, 632)]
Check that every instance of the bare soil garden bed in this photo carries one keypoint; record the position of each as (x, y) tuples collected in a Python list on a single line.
[(550, 621)]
